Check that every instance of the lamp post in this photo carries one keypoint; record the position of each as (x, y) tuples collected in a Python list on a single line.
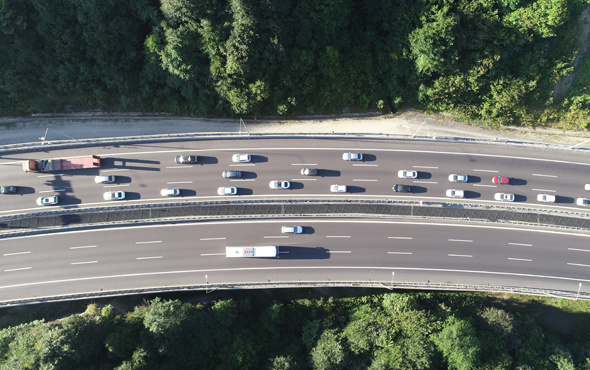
[(579, 287), (392, 276), (206, 284)]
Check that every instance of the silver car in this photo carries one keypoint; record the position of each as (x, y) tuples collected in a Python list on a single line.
[(546, 198), (338, 188), (458, 178), (186, 159), (405, 174), (231, 174), (352, 156), (241, 158), (104, 179), (291, 229), (48, 201), (114, 195), (309, 171), (227, 190), (583, 202), (455, 193), (504, 197), (276, 184), (170, 192)]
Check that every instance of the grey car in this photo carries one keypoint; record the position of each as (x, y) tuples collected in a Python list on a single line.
[(186, 159), (309, 171), (231, 174)]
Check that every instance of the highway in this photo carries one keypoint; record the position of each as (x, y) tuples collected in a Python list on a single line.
[(144, 257), (142, 170)]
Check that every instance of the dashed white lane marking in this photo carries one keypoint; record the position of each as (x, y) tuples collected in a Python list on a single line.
[(115, 186), (433, 167), (365, 165), (148, 258), (364, 180), (399, 237), (84, 246), (18, 269), (542, 175), (334, 252), (476, 170), (242, 164), (117, 170), (486, 186), (15, 253), (578, 264), (303, 179), (51, 191), (337, 236), (578, 250), (212, 239), (83, 263), (179, 182), (275, 237), (520, 259), (52, 175), (426, 182), (521, 244), (150, 242), (304, 164), (546, 190), (212, 254), (242, 180), (461, 240), (399, 252), (460, 255), (179, 167)]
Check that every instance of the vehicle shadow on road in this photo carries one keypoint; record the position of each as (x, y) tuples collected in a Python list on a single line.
[(328, 173), (131, 164), (303, 253), (259, 158), (517, 182), (562, 199), (472, 194), (355, 189)]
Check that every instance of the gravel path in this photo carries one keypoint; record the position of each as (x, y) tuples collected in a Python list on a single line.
[(94, 125)]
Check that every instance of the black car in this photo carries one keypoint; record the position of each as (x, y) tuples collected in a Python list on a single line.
[(402, 188), (7, 189)]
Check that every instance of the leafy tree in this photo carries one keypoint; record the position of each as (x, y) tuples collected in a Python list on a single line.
[(328, 352), (458, 343)]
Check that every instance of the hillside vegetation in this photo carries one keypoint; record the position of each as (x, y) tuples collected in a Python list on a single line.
[(492, 60), (385, 331)]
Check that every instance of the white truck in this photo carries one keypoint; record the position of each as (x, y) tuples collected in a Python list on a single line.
[(252, 251)]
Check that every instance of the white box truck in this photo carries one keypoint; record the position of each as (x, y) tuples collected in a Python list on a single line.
[(252, 251)]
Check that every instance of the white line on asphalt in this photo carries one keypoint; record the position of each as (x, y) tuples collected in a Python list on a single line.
[(115, 186), (118, 170), (521, 244), (426, 182), (461, 240), (179, 182), (51, 191), (578, 264), (578, 250), (242, 164), (487, 186), (399, 237), (364, 180), (399, 252), (212, 254), (304, 164), (55, 174), (212, 239), (461, 255), (366, 165), (334, 252), (476, 170), (547, 190), (19, 269), (83, 263), (148, 258), (15, 254), (303, 179), (179, 167), (425, 167), (275, 237), (337, 236), (539, 174), (281, 252), (242, 180), (520, 259), (150, 242), (84, 246)]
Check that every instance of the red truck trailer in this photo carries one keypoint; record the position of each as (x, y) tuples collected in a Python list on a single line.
[(49, 165)]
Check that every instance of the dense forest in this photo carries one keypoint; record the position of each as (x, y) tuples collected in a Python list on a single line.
[(380, 331), (491, 60)]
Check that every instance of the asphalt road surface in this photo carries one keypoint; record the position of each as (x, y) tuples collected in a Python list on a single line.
[(142, 170), (338, 250)]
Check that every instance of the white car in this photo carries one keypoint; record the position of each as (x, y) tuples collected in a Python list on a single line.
[(114, 195), (405, 174), (458, 178), (170, 192), (48, 201), (276, 184), (583, 202), (587, 187), (241, 158), (227, 190), (546, 198), (352, 156), (338, 188), (104, 179), (291, 229), (505, 197), (455, 193)]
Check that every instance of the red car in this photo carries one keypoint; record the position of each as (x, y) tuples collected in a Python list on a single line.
[(501, 180)]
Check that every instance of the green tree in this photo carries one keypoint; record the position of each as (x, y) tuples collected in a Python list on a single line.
[(328, 352), (458, 344)]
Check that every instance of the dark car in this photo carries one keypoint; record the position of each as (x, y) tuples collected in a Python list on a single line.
[(402, 188), (186, 159), (7, 189)]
